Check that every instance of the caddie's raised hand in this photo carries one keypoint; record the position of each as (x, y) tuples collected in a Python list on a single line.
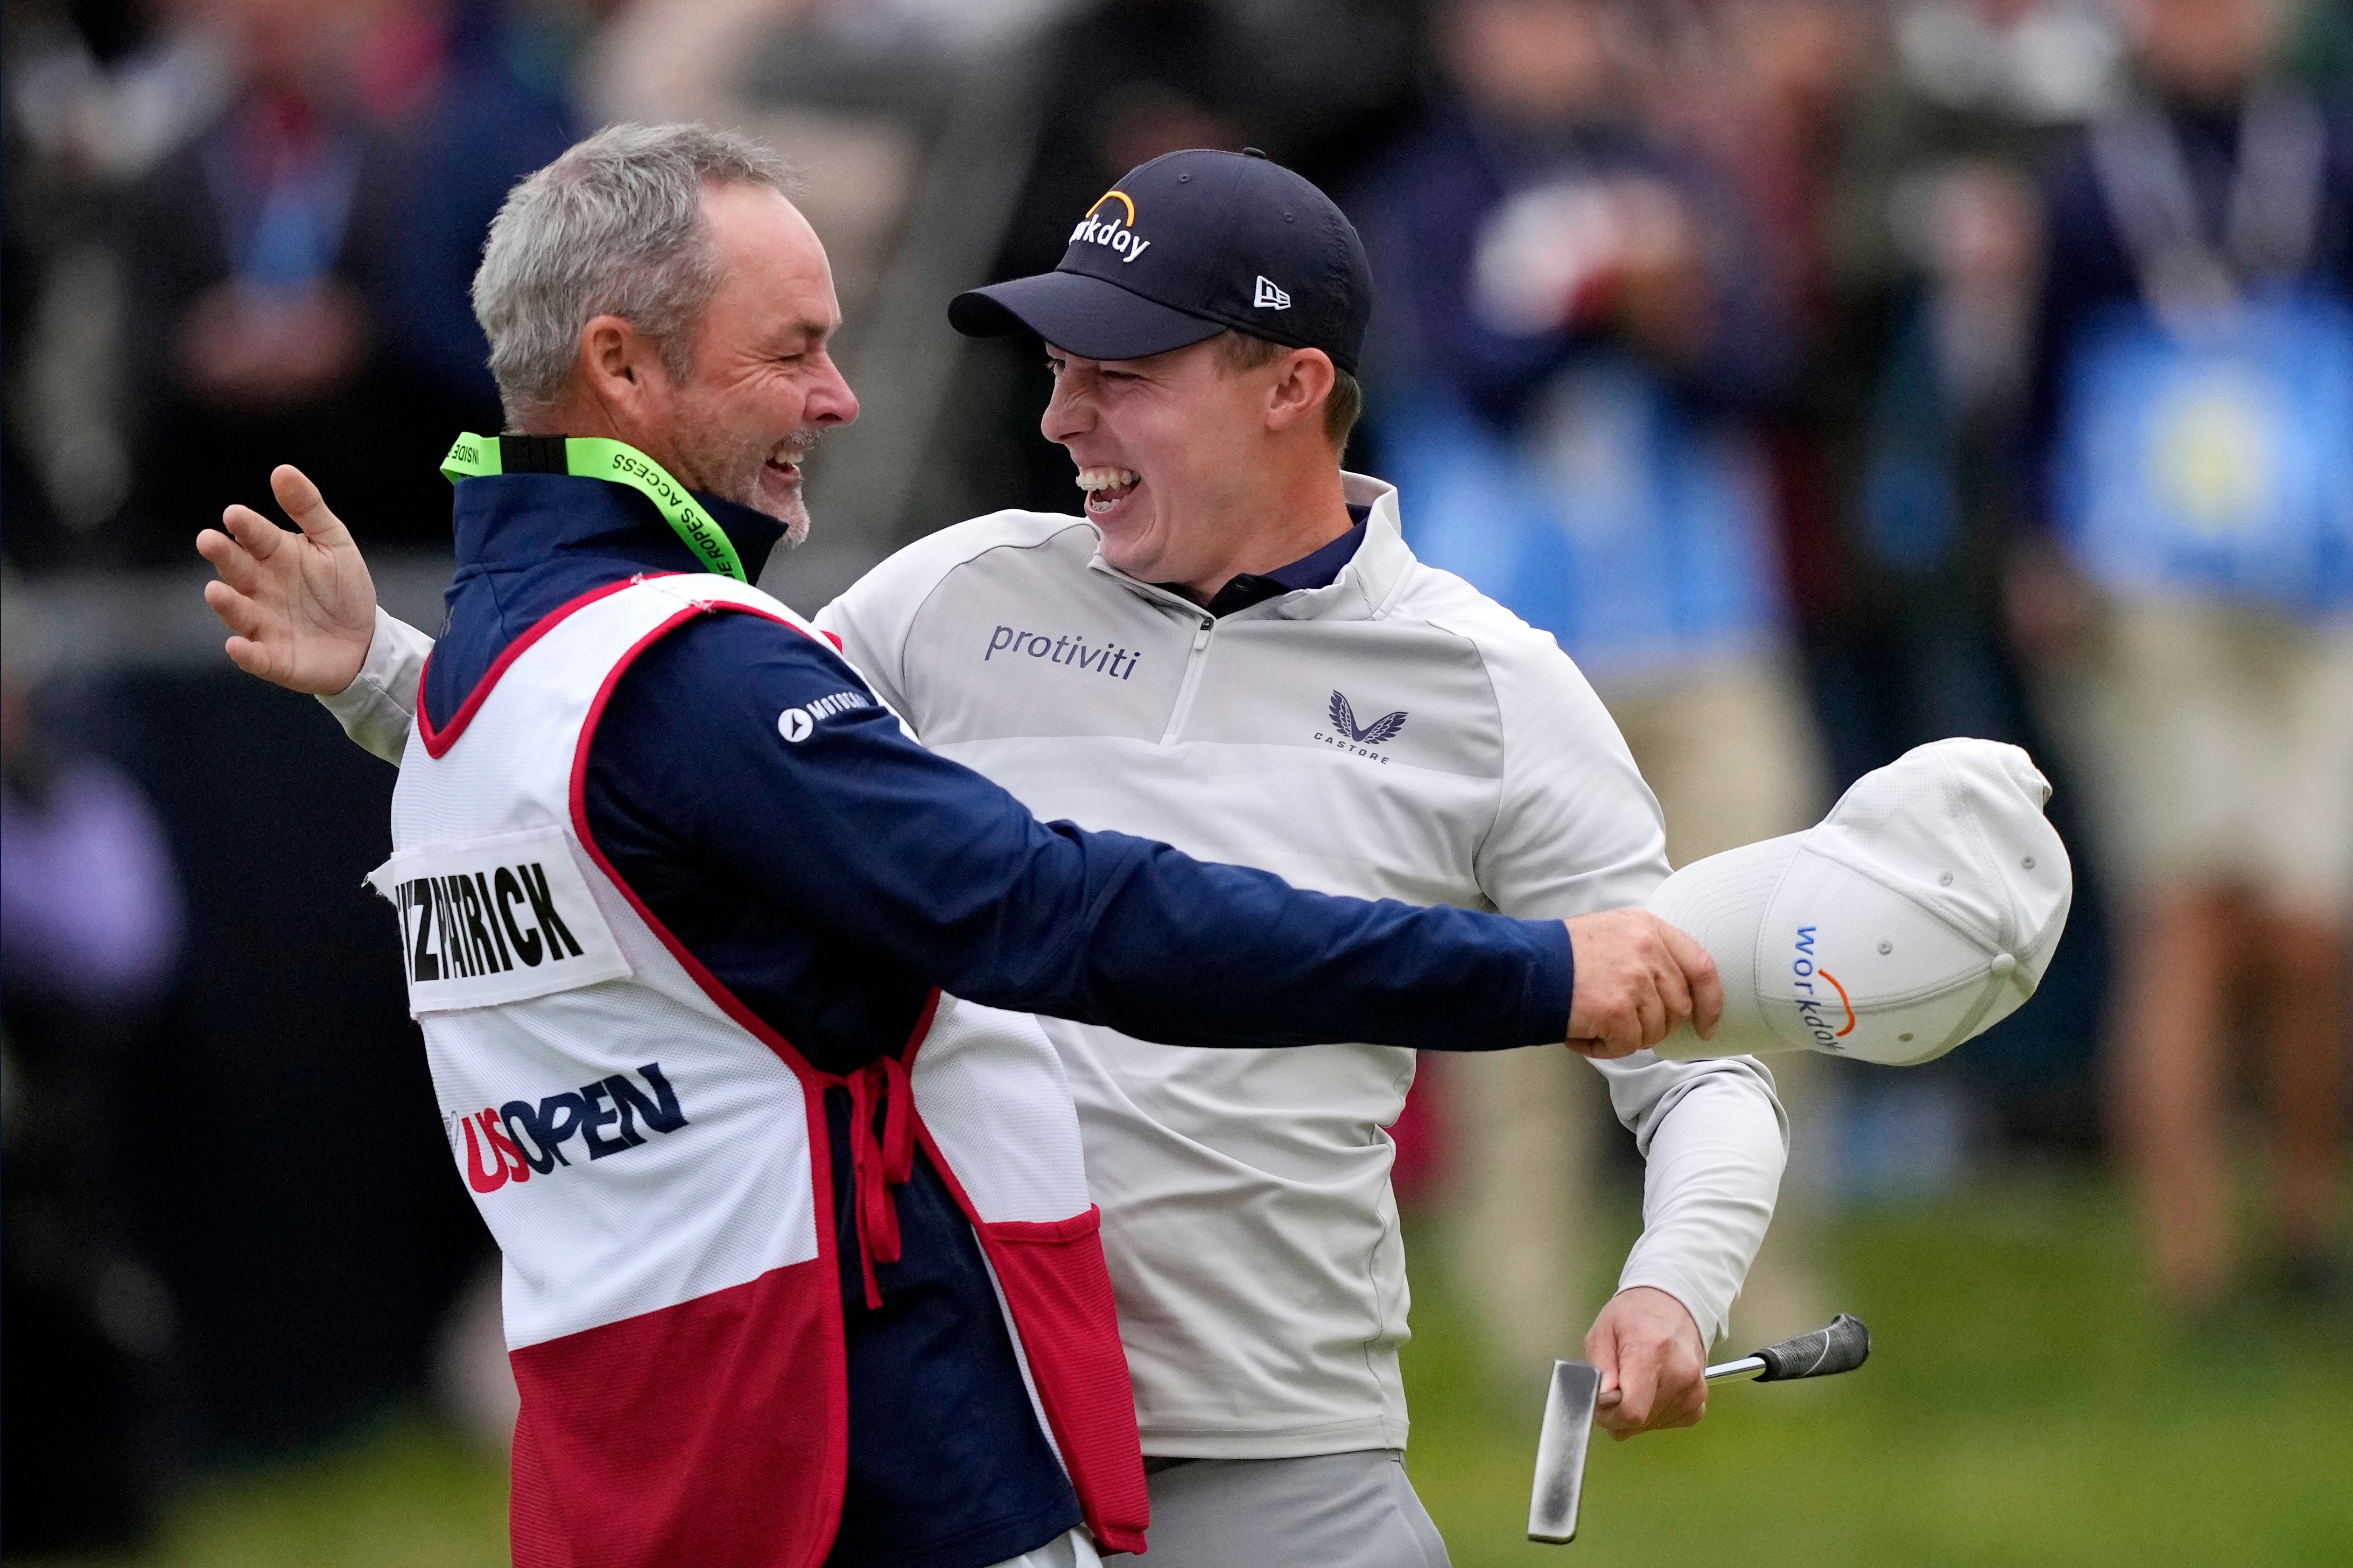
[(1637, 978), (301, 605), (1652, 1361)]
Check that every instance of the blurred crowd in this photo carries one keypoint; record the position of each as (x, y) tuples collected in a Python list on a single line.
[(1828, 375)]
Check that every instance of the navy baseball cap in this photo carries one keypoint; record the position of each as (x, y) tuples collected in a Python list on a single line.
[(1184, 248)]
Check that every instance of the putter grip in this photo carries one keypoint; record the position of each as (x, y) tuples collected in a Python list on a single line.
[(1840, 1347)]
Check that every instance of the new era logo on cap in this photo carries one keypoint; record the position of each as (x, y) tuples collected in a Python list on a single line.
[(1270, 297)]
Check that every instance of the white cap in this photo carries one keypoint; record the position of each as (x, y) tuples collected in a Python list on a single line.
[(1917, 915)]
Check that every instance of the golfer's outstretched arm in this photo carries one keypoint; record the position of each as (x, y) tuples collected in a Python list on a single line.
[(1578, 830)]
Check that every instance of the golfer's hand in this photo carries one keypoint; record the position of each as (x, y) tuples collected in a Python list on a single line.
[(1637, 978), (302, 606), (1653, 1365)]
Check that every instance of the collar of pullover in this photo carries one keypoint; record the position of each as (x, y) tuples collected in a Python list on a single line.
[(528, 544), (511, 522), (1359, 590)]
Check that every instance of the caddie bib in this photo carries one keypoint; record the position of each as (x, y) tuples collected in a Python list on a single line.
[(655, 1162)]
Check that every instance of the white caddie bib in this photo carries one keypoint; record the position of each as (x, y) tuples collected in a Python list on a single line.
[(655, 1163)]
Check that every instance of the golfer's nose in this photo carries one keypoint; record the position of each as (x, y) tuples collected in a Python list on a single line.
[(1070, 412)]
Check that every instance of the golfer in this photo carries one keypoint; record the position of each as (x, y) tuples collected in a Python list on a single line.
[(800, 1266)]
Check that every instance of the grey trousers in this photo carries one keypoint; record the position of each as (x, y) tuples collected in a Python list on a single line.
[(1330, 1510)]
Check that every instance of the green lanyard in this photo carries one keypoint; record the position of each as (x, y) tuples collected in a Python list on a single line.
[(594, 458)]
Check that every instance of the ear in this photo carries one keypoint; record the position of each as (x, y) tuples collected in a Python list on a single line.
[(1303, 380), (622, 370)]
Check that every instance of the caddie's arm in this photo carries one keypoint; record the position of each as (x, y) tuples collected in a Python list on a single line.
[(1637, 977), (1579, 831), (908, 854)]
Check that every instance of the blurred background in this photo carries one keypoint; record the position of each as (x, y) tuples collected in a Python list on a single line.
[(1828, 375)]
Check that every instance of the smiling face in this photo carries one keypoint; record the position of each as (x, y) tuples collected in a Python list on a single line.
[(763, 387), (1173, 454)]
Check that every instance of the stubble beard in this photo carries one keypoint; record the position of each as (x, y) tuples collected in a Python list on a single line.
[(734, 468)]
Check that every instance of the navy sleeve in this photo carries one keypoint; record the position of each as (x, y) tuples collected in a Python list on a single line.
[(759, 751)]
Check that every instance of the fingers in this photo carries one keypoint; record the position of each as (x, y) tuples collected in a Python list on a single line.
[(1653, 1015), (251, 531), (1656, 1363), (234, 561), (236, 612), (1601, 1350), (1638, 978), (1698, 968), (1638, 1387), (1682, 1398), (305, 505), (252, 658)]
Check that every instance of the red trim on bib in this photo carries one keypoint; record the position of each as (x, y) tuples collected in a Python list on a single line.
[(729, 1003), (1057, 1290), (880, 1166), (439, 742)]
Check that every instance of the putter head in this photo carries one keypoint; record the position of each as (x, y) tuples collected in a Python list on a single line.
[(1560, 1450)]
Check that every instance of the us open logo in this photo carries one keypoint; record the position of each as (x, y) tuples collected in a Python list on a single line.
[(526, 1138)]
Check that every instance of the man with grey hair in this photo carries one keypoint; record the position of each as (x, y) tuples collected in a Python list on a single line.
[(818, 1280)]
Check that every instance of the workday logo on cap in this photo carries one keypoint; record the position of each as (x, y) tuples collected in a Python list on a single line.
[(1121, 237), (1922, 912), (1815, 985)]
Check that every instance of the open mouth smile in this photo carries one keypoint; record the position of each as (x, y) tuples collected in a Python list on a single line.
[(1107, 488)]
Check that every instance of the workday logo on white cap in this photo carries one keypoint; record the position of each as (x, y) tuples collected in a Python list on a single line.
[(1813, 1015), (1922, 912)]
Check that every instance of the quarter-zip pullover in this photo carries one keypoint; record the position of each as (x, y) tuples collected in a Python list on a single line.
[(1377, 728)]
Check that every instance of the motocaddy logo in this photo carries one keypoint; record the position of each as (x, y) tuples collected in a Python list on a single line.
[(1347, 735), (1813, 1008), (797, 724), (1119, 235), (523, 1139)]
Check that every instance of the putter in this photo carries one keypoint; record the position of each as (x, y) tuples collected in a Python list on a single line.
[(1842, 1346)]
